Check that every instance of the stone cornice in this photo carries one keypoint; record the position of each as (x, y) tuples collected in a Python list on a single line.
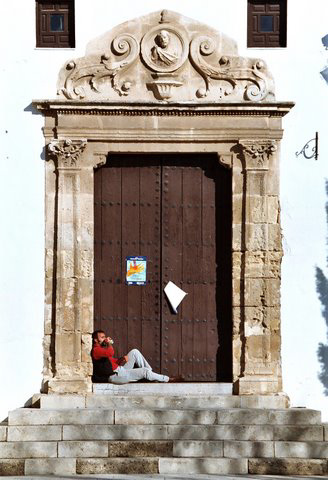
[(268, 109)]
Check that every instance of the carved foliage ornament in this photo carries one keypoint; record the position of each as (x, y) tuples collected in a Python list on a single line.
[(67, 151), (257, 152), (161, 59)]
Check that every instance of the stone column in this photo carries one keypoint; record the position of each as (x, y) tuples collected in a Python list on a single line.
[(256, 260), (73, 271)]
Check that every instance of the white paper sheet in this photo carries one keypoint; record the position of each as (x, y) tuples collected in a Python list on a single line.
[(174, 295)]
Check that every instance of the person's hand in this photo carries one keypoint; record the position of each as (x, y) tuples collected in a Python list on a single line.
[(109, 340), (122, 360)]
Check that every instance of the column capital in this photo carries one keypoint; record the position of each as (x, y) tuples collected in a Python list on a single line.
[(257, 153), (67, 151)]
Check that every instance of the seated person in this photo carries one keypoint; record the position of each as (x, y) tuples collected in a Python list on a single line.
[(107, 368)]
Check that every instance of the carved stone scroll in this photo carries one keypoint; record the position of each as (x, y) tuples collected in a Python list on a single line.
[(169, 57)]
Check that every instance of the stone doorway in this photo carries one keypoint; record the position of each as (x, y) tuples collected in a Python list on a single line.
[(159, 85), (175, 210)]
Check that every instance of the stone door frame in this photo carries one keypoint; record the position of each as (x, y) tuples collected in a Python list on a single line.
[(245, 137)]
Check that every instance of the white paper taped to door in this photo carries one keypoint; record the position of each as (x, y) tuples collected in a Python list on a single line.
[(174, 295)]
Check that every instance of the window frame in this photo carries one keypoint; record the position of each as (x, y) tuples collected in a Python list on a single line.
[(264, 39), (47, 38)]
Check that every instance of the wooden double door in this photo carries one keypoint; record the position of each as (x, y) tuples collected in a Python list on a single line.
[(176, 211)]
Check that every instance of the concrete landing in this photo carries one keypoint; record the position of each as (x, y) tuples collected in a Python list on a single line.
[(170, 389)]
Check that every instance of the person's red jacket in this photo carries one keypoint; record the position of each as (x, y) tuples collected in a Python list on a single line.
[(98, 352)]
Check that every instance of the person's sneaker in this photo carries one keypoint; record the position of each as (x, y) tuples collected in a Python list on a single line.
[(177, 379)]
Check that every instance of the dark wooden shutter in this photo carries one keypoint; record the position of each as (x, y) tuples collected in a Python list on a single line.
[(55, 24), (266, 23)]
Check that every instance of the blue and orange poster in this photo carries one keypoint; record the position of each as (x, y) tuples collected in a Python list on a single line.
[(136, 269)]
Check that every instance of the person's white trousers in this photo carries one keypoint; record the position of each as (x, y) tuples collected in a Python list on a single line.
[(128, 374)]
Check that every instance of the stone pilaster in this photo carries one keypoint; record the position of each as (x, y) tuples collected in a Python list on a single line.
[(257, 256), (73, 268)]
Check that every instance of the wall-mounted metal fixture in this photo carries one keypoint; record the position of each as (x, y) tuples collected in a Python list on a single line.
[(315, 148), (325, 41)]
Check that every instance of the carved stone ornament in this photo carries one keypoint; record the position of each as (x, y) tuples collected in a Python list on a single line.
[(257, 152), (67, 151), (169, 57)]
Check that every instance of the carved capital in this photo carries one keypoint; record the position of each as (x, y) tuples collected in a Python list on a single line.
[(67, 151), (257, 153)]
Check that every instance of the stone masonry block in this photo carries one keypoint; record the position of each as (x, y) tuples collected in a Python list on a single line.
[(256, 183), (54, 401), (198, 466), (194, 448), (50, 466), (263, 416), (68, 347), (256, 236), (157, 401), (258, 347), (164, 417), (86, 342), (325, 429), (237, 238), (83, 449), (264, 401), (9, 468), (34, 433), (273, 209), (28, 449), (256, 264), (301, 449), (299, 433), (119, 432), (256, 209), (220, 432), (274, 238), (3, 433), (33, 416), (256, 292), (140, 448), (244, 449), (286, 466), (117, 465)]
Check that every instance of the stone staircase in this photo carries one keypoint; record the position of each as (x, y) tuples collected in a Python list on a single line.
[(141, 432)]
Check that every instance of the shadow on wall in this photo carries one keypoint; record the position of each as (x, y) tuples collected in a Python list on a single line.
[(322, 290)]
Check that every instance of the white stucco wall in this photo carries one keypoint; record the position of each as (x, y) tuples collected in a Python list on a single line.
[(28, 73)]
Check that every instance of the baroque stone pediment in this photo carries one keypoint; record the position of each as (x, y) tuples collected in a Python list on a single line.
[(165, 57)]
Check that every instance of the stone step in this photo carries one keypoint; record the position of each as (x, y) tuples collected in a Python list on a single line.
[(171, 389), (192, 432), (162, 465), (163, 448), (47, 433), (287, 466), (56, 401), (167, 466), (146, 416)]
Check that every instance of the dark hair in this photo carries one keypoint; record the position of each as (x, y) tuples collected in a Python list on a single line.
[(95, 334)]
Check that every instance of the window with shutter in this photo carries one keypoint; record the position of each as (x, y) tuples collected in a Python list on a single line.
[(55, 24), (267, 23)]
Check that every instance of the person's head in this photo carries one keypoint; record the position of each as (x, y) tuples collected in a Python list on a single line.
[(163, 39), (98, 336)]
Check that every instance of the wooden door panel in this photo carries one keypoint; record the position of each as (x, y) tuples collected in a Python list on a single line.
[(171, 209), (189, 346), (127, 222)]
